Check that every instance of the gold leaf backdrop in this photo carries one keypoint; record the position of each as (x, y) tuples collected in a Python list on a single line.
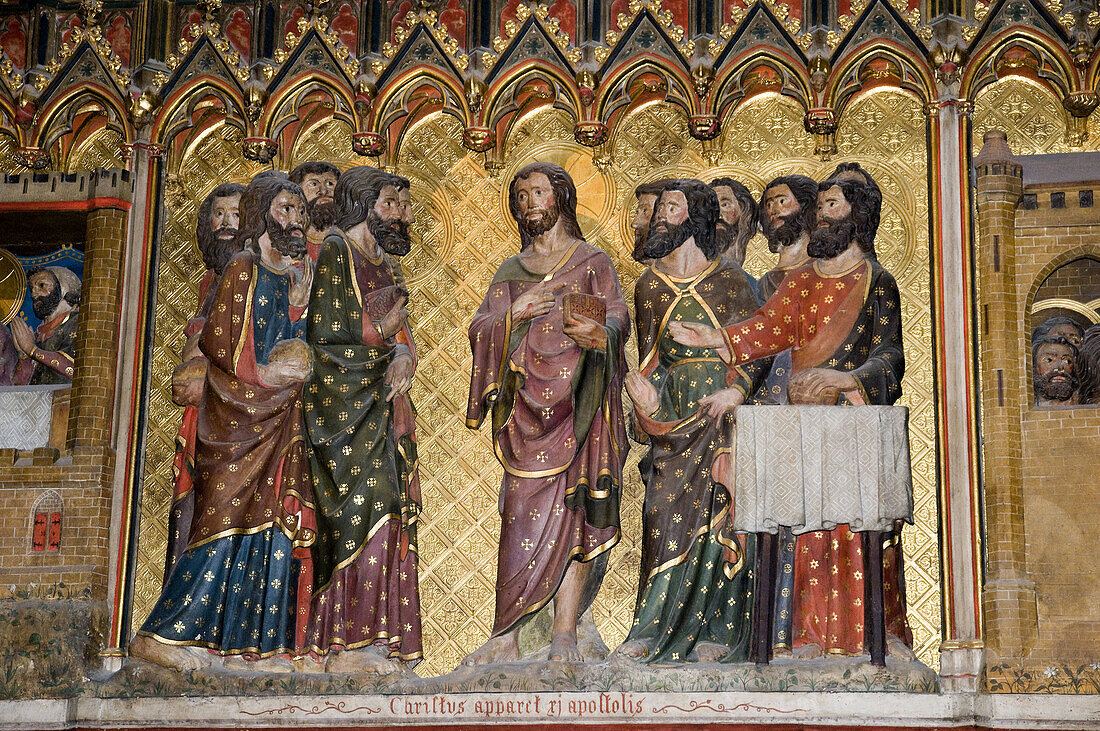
[(463, 232)]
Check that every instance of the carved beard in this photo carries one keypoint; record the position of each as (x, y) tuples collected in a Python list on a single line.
[(392, 235), (541, 223), (660, 244), (831, 237), (322, 213), (785, 233), (640, 236), (222, 247), (289, 241), (45, 305), (727, 243), (1051, 390)]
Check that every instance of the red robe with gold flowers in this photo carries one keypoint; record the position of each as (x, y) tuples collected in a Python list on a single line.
[(849, 322)]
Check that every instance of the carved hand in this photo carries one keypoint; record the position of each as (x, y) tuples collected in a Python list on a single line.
[(812, 385), (399, 376), (720, 402), (535, 302), (586, 332), (301, 282), (642, 393), (695, 335), (23, 336), (395, 319)]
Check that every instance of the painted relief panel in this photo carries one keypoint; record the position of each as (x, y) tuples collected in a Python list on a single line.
[(462, 231)]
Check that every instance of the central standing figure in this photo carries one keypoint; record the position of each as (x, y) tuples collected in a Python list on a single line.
[(551, 378), (366, 607)]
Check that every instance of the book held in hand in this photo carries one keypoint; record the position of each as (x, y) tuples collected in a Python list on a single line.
[(586, 305)]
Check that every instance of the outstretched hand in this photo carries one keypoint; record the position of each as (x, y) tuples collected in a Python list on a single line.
[(399, 376), (586, 332), (535, 302), (720, 402), (695, 335), (642, 393)]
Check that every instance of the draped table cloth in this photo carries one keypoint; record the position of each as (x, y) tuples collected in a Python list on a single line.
[(811, 468)]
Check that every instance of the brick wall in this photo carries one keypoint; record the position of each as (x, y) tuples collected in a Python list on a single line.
[(81, 474), (1041, 493), (1061, 506)]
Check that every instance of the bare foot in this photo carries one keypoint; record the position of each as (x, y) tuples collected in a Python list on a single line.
[(177, 657), (634, 649), (898, 650), (563, 648), (309, 664), (498, 649), (711, 651), (807, 652), (370, 659), (274, 664)]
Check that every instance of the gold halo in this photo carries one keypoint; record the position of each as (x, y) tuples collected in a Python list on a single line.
[(13, 286)]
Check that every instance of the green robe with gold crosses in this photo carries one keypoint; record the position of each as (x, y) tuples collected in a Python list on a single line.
[(363, 461), (696, 582)]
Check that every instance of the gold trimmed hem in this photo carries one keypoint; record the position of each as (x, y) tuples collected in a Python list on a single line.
[(215, 648), (359, 549)]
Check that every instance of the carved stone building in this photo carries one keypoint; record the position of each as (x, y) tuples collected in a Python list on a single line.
[(117, 119)]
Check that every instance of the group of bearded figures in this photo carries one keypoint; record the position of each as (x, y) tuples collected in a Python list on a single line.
[(293, 529)]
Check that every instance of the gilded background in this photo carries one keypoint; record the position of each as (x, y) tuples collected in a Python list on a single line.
[(463, 231)]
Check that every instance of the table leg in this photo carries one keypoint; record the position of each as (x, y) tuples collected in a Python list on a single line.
[(764, 598), (874, 621)]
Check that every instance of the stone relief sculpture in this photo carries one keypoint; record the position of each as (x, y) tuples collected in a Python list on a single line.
[(739, 218), (318, 181), (840, 315), (365, 614), (238, 588), (50, 349), (696, 581), (548, 365), (216, 234)]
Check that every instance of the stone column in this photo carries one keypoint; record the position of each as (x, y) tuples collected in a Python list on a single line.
[(136, 318), (961, 651), (1008, 598)]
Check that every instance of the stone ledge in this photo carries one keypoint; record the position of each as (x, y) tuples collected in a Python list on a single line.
[(609, 709)]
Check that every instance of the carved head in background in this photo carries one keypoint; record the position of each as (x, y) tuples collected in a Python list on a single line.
[(645, 196), (687, 208), (274, 207), (317, 180), (1053, 360), (382, 200), (740, 217), (539, 195), (54, 290), (1087, 367), (218, 227), (848, 211), (788, 206)]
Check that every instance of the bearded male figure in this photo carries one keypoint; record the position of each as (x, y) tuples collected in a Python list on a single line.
[(216, 235), (645, 200), (365, 614), (696, 583), (552, 380), (51, 348), (841, 317), (238, 587), (1053, 362), (739, 218), (317, 179)]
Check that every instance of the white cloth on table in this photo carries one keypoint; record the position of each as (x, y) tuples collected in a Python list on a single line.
[(811, 468)]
